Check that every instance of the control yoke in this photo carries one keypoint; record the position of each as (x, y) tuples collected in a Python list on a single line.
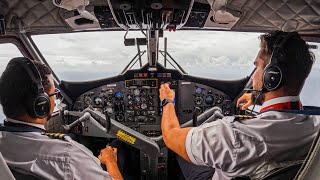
[(108, 127)]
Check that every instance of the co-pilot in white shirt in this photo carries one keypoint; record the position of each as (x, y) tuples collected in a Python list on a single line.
[(252, 147)]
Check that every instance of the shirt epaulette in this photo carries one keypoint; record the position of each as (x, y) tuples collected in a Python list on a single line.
[(55, 135), (242, 117)]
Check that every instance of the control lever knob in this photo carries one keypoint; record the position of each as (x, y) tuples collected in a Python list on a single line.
[(196, 112)]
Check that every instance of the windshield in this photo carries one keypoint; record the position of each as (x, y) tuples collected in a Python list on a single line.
[(95, 55), (209, 54)]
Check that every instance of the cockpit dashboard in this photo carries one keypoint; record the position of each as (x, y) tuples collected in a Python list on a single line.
[(132, 98)]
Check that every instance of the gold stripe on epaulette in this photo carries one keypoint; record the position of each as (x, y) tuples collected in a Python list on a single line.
[(242, 117), (55, 135), (61, 136)]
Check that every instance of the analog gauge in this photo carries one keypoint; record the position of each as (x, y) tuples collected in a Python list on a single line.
[(120, 117), (130, 102), (220, 99), (137, 99), (198, 100), (97, 101), (130, 119), (109, 103), (129, 97), (209, 99), (144, 113), (109, 110), (87, 100), (130, 107), (144, 106), (151, 119), (143, 92), (199, 90), (136, 92), (143, 99)]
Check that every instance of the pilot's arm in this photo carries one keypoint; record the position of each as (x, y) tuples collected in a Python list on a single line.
[(217, 144), (173, 135)]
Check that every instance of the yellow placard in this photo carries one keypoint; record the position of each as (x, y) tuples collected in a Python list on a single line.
[(126, 137)]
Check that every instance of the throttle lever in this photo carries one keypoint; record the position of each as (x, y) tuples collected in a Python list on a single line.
[(108, 121), (86, 116), (196, 112)]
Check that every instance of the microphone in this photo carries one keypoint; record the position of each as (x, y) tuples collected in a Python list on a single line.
[(263, 90)]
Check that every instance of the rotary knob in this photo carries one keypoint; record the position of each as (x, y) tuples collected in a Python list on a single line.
[(144, 106), (198, 100), (209, 99)]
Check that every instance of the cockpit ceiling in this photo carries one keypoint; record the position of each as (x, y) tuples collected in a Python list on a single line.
[(42, 17)]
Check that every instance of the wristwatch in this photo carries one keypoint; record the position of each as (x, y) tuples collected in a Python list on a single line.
[(166, 101)]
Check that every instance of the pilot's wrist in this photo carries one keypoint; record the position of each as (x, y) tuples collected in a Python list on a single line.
[(111, 163), (169, 105)]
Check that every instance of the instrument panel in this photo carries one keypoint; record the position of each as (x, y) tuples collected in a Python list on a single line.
[(134, 102)]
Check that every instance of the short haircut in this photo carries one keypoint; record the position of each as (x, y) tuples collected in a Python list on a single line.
[(296, 61), (16, 86)]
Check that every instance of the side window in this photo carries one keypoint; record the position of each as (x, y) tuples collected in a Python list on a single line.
[(7, 52), (310, 92)]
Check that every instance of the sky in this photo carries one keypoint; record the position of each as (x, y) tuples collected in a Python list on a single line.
[(96, 55)]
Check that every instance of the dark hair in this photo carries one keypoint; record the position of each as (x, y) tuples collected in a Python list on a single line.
[(16, 86), (296, 60)]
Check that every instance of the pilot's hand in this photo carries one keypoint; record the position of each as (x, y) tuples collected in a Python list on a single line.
[(166, 92), (108, 155), (246, 100)]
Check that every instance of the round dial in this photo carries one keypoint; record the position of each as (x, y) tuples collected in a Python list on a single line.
[(87, 100), (137, 99), (209, 99), (136, 92), (130, 102), (109, 103), (143, 99), (144, 106), (144, 113), (98, 101), (220, 99), (109, 110), (129, 97), (143, 92), (198, 100)]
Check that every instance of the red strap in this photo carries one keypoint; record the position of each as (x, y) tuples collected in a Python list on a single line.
[(284, 106)]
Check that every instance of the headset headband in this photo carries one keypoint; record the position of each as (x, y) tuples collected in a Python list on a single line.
[(278, 45), (33, 72)]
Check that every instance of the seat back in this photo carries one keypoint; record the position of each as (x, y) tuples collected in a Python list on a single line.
[(5, 172), (287, 173)]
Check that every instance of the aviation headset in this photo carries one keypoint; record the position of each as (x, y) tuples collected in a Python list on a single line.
[(273, 74), (38, 105)]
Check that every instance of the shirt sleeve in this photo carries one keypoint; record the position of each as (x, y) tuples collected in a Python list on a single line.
[(220, 145)]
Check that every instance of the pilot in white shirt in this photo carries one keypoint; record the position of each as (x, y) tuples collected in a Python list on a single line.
[(237, 147)]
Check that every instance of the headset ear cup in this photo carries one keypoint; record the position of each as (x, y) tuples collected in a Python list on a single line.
[(272, 78), (39, 106)]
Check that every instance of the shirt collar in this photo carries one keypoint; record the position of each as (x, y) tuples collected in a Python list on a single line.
[(41, 126), (278, 100)]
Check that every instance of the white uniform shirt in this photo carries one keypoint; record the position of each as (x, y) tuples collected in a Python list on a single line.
[(46, 158), (252, 147)]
